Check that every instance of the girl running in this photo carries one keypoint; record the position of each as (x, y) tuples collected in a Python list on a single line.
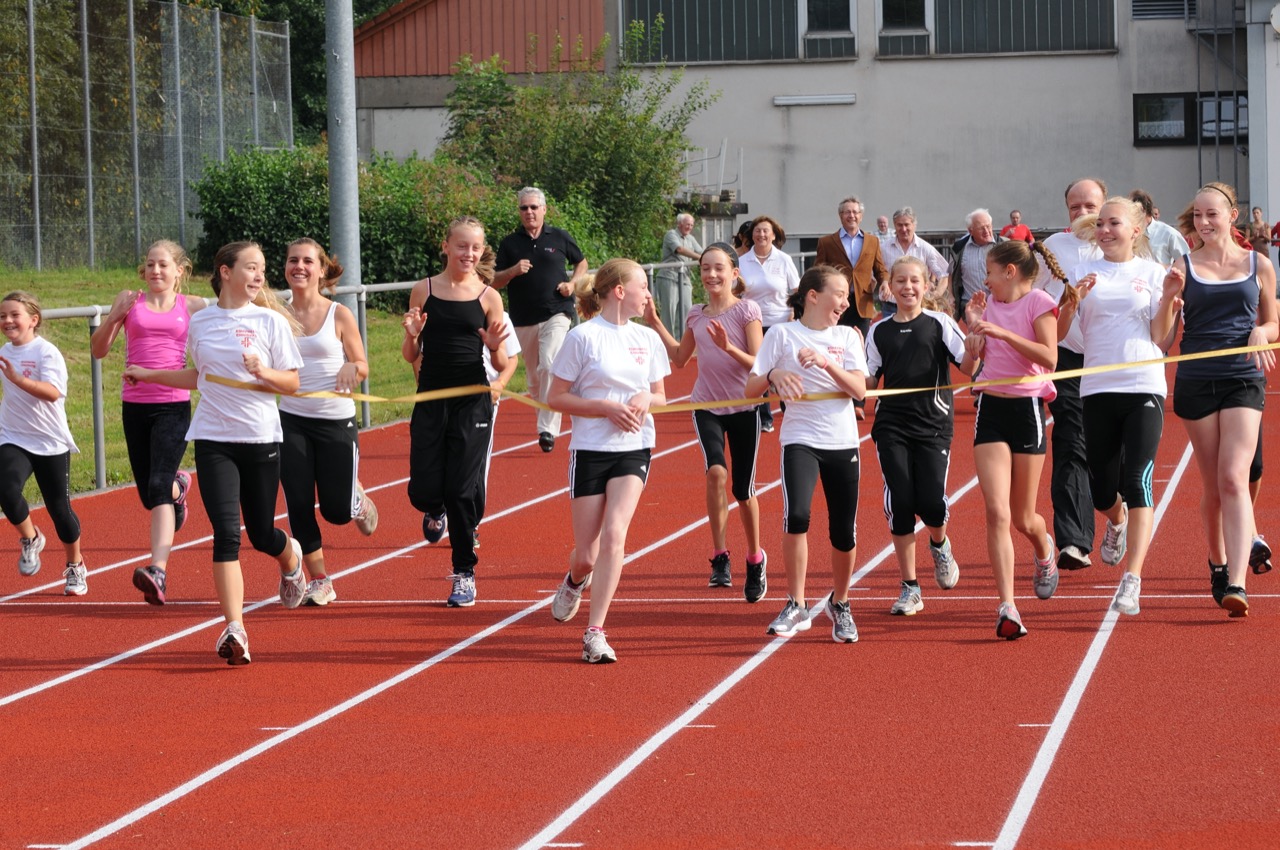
[(726, 332), (1117, 300), (450, 317), (914, 348), (155, 418), (35, 439), (1228, 299), (819, 439), (247, 336), (320, 452), (607, 376), (1016, 333)]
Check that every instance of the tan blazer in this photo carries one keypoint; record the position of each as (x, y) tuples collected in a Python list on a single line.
[(865, 278)]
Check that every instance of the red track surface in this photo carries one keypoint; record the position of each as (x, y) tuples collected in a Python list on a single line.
[(388, 720)]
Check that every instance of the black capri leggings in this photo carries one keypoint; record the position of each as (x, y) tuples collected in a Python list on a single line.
[(802, 466), (53, 477), (1121, 435), (236, 477), (742, 430), (155, 435), (915, 483), (318, 457)]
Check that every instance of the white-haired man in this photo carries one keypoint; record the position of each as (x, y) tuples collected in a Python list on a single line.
[(673, 287), (969, 258)]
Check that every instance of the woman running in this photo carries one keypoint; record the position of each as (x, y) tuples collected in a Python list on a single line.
[(1016, 333), (1117, 299), (450, 317), (1228, 299), (769, 277), (815, 354), (155, 418), (607, 376), (35, 438), (915, 347), (320, 454), (247, 336), (726, 334)]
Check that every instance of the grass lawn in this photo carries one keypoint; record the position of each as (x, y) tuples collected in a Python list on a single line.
[(389, 375)]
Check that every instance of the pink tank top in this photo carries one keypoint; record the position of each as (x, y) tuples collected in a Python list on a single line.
[(156, 341)]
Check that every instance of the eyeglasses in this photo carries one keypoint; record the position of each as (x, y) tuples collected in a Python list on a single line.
[(527, 207)]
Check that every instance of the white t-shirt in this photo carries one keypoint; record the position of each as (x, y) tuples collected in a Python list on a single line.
[(1069, 252), (769, 282), (606, 361), (1115, 323), (1167, 244), (218, 340), (828, 424), (30, 423), (511, 344)]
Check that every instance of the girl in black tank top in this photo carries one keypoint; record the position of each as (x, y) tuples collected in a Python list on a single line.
[(450, 316), (1222, 408)]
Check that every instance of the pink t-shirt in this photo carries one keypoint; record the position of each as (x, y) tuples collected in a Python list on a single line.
[(1002, 360), (720, 377), (156, 341)]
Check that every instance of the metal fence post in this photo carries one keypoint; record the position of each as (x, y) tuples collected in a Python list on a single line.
[(288, 83), (88, 128), (99, 422), (35, 133), (253, 73), (362, 316), (217, 84), (133, 133), (177, 109)]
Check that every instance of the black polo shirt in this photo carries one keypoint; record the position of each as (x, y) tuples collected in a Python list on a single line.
[(532, 297)]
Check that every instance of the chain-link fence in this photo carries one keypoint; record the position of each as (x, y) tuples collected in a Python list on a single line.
[(110, 108)]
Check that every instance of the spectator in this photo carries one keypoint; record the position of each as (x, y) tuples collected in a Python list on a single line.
[(907, 244), (969, 258), (857, 255), (1015, 229), (673, 287), (1259, 234), (882, 229), (1167, 243), (531, 263)]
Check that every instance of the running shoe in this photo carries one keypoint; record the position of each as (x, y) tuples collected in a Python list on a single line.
[(568, 597), (757, 580), (843, 629), (1218, 581), (1073, 558), (433, 527), (367, 516), (294, 585), (596, 649), (946, 572), (1260, 556), (1115, 541), (29, 557), (1126, 601), (1046, 577), (319, 592), (464, 591), (720, 576), (77, 580), (233, 644), (183, 480), (150, 580), (909, 602), (1236, 601), (546, 441), (1009, 623), (793, 618)]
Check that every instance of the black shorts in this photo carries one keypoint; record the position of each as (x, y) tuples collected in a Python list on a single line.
[(1016, 421), (590, 472), (1196, 399)]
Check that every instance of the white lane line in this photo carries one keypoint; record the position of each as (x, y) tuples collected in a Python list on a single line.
[(1030, 791), (597, 792)]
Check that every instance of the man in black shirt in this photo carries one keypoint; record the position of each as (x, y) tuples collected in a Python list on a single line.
[(532, 264)]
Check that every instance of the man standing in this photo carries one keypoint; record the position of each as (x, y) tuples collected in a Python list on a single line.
[(673, 287), (1073, 521), (907, 243), (1015, 229), (1167, 243), (882, 229), (969, 258), (857, 255), (532, 265)]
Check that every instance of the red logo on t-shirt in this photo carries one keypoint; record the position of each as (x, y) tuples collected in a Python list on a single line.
[(28, 368), (639, 354), (836, 352), (1139, 286), (246, 336)]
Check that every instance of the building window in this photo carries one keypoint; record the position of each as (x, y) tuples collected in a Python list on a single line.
[(748, 30), (1032, 26), (829, 16), (1154, 9), (1224, 117), (903, 15), (1164, 119)]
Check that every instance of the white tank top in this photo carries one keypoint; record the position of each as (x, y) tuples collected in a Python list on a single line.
[(322, 357)]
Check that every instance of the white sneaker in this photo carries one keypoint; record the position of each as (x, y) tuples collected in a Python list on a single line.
[(793, 618), (29, 558), (320, 592), (294, 585), (946, 572), (909, 602), (77, 580), (233, 644), (1126, 601), (595, 649), (366, 517), (843, 629), (565, 604), (1115, 541), (1073, 558)]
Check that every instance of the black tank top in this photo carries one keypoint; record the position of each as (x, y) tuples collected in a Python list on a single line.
[(451, 355), (1218, 314)]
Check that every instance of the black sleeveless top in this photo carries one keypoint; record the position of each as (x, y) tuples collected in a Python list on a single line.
[(1215, 315), (451, 348)]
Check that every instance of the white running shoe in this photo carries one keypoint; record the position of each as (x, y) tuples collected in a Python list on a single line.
[(294, 585), (909, 602), (77, 580), (595, 649), (233, 644), (29, 558), (1126, 601), (565, 604), (793, 618), (320, 592), (946, 572), (1115, 541), (1009, 623), (366, 517), (843, 629)]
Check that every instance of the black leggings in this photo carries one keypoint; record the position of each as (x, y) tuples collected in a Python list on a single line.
[(53, 477), (742, 431), (915, 482), (1121, 436), (318, 456), (802, 466), (155, 435), (236, 476)]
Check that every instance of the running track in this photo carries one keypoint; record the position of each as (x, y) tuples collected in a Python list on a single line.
[(387, 720)]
